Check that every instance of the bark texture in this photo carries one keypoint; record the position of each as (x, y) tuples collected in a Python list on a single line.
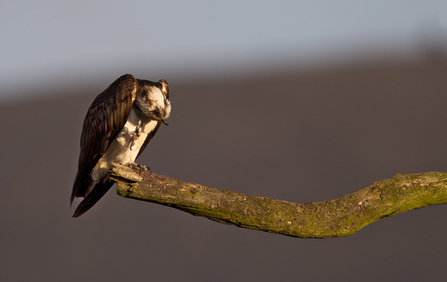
[(334, 218)]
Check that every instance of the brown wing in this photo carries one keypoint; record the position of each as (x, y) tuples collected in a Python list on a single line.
[(105, 118)]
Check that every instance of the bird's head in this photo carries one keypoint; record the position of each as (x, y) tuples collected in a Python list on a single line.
[(153, 100)]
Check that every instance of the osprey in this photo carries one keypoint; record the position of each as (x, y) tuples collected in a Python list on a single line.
[(118, 126)]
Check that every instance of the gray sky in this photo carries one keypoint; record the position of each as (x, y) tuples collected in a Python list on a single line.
[(46, 41)]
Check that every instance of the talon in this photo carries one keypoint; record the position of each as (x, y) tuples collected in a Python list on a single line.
[(132, 143), (137, 129), (144, 168), (132, 140), (141, 168)]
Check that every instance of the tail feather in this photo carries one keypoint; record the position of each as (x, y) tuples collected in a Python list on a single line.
[(83, 179), (92, 198)]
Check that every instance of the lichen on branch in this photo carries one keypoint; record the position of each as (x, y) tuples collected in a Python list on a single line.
[(334, 218)]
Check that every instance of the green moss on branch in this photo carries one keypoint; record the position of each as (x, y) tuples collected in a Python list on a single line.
[(334, 218)]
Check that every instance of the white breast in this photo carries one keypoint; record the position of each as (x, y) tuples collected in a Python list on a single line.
[(124, 149)]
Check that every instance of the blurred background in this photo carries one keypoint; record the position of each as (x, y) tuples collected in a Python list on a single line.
[(294, 100)]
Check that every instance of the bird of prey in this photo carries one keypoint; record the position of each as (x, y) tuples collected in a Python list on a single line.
[(118, 126)]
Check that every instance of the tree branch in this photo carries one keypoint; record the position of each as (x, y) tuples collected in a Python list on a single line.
[(334, 218)]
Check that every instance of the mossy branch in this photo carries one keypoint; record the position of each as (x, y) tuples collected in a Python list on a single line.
[(334, 218)]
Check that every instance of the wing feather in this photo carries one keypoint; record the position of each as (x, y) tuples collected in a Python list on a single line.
[(105, 118)]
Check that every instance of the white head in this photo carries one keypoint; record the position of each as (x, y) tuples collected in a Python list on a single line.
[(153, 99)]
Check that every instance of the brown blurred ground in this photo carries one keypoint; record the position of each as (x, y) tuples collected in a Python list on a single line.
[(291, 135)]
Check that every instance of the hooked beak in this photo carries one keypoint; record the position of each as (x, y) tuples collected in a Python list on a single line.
[(165, 122)]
